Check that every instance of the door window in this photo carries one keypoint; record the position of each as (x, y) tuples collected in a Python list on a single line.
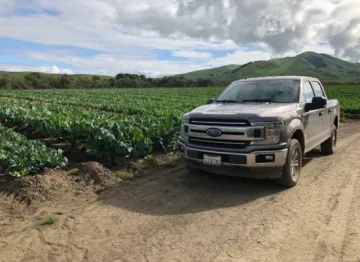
[(308, 92), (317, 89)]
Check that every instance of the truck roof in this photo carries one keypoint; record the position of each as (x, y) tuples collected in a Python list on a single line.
[(278, 78)]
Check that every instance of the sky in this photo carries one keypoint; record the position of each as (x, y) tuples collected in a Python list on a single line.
[(166, 37)]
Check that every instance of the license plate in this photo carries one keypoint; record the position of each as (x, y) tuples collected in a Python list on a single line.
[(212, 160)]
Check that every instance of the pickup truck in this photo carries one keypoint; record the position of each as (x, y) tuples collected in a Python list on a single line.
[(261, 128)]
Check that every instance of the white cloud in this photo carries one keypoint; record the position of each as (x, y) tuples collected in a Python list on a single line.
[(55, 70), (129, 33), (282, 24), (319, 48), (94, 24), (45, 69), (108, 24), (240, 57), (191, 54), (111, 65)]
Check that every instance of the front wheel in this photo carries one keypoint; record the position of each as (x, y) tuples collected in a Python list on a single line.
[(291, 170), (329, 146)]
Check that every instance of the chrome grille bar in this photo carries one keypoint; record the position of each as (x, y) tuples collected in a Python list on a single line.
[(219, 142), (232, 133), (219, 123)]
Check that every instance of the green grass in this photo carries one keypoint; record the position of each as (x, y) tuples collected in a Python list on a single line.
[(73, 171), (124, 175), (171, 164), (50, 220)]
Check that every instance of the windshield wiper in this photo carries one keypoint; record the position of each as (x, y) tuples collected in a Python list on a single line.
[(260, 100), (227, 101)]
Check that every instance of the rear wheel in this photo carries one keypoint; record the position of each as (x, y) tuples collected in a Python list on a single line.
[(291, 170), (329, 146)]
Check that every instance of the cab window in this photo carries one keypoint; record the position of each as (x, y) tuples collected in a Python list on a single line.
[(317, 89), (308, 92)]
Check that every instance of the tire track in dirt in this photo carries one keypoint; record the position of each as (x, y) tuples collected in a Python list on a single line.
[(276, 221), (297, 222), (350, 246)]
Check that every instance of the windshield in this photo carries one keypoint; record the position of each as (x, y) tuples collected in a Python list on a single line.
[(276, 91)]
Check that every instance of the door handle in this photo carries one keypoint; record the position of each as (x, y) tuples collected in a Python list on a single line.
[(321, 113), (331, 110)]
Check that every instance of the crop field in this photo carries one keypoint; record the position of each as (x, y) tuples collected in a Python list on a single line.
[(109, 124), (349, 97)]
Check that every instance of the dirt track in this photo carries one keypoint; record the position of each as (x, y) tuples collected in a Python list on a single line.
[(184, 217)]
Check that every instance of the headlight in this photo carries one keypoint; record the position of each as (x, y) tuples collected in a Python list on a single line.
[(184, 130), (272, 132)]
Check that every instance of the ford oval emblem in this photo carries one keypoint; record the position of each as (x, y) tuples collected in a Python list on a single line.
[(214, 132)]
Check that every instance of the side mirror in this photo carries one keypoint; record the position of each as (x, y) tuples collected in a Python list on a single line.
[(318, 102), (210, 101)]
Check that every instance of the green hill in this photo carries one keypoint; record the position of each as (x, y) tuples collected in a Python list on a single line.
[(328, 69), (313, 64)]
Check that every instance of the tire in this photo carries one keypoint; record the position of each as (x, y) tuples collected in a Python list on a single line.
[(292, 169), (329, 146)]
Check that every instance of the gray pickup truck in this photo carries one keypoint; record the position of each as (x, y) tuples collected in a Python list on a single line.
[(261, 128)]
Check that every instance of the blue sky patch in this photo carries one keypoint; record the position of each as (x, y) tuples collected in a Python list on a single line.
[(9, 45), (18, 60), (167, 55)]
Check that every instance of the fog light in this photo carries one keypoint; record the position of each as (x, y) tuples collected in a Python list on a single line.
[(269, 158), (265, 158)]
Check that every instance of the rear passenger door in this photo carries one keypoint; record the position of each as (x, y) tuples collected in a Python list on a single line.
[(311, 119), (324, 113)]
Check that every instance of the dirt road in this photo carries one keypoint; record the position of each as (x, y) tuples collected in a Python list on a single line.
[(179, 216)]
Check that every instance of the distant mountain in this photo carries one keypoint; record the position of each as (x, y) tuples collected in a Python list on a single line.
[(322, 66)]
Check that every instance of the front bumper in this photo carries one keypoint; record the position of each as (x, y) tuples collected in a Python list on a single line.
[(231, 159)]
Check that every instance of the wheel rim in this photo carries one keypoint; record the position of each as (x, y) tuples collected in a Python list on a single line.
[(295, 164), (334, 138)]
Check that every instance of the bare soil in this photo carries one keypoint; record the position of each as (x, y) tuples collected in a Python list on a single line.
[(173, 215)]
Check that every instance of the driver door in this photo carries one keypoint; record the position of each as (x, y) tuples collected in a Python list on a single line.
[(326, 126), (311, 119)]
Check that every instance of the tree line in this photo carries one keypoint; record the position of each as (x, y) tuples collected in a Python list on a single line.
[(12, 81), (34, 80)]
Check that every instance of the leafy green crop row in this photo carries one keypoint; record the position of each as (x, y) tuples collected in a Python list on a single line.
[(155, 101), (349, 97), (20, 156), (124, 101), (104, 135)]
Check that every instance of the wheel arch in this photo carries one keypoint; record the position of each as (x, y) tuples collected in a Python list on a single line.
[(298, 134), (336, 122), (296, 130)]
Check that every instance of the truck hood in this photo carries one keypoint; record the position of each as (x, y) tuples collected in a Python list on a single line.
[(249, 111)]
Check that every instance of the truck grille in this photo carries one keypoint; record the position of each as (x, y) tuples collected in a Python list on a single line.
[(226, 133), (218, 143)]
